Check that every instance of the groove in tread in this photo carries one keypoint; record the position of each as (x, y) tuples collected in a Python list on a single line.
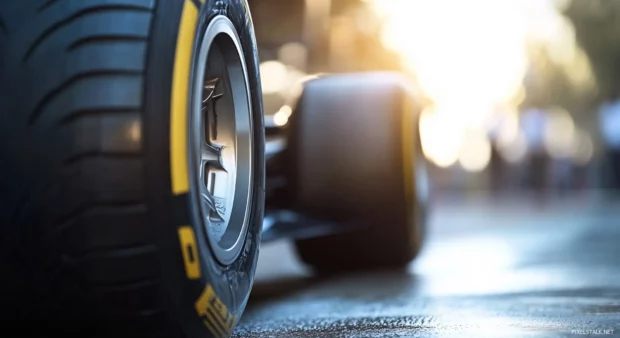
[(120, 252), (105, 154), (45, 5), (52, 93), (3, 28), (105, 38), (76, 115), (95, 9), (65, 222)]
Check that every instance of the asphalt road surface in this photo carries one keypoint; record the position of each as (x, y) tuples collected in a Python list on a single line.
[(490, 268)]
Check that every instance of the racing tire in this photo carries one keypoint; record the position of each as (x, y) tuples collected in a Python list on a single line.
[(130, 131), (356, 159)]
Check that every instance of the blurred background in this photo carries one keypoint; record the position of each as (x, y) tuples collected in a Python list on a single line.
[(521, 126), (519, 96)]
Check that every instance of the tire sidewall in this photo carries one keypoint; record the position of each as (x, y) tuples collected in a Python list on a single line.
[(227, 287)]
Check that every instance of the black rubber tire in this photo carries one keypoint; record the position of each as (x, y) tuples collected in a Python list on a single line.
[(90, 225), (368, 248), (353, 148)]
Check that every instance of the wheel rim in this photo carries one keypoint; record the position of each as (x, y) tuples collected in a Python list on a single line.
[(221, 140)]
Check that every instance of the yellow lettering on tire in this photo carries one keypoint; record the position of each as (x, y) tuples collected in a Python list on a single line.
[(189, 249), (214, 313)]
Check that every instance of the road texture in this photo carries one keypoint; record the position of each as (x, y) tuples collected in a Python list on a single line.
[(490, 268)]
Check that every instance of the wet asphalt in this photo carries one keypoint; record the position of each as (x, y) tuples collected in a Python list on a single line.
[(510, 267)]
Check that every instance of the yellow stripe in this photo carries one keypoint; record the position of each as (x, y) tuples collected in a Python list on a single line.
[(187, 239), (408, 141), (180, 97), (409, 131)]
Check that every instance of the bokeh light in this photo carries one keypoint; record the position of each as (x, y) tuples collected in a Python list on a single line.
[(273, 76), (505, 127), (134, 132), (582, 148), (475, 154), (559, 133), (294, 54), (515, 150), (281, 117), (441, 139)]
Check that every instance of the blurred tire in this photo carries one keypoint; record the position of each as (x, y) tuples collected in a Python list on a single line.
[(355, 158), (101, 233)]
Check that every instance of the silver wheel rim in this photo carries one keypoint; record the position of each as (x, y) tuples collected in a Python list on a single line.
[(221, 140)]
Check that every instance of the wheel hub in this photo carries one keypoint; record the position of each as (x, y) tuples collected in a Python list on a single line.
[(221, 138)]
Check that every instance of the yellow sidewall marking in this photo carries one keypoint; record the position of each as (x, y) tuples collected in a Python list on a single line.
[(213, 330), (409, 155), (214, 313), (180, 99), (189, 248)]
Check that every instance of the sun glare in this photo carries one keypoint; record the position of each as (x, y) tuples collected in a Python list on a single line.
[(470, 59)]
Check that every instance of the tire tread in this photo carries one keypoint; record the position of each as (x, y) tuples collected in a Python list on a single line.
[(85, 109)]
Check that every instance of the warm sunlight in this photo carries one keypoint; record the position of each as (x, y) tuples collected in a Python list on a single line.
[(471, 52), (470, 59)]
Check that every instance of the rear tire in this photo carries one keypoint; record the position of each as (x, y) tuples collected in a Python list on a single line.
[(96, 236)]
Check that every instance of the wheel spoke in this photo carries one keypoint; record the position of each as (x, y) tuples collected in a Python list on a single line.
[(211, 203), (210, 126), (210, 154), (210, 86)]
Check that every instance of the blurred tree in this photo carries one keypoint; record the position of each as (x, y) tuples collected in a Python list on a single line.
[(597, 28), (550, 84)]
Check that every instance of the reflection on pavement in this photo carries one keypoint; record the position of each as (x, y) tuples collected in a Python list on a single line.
[(486, 271)]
